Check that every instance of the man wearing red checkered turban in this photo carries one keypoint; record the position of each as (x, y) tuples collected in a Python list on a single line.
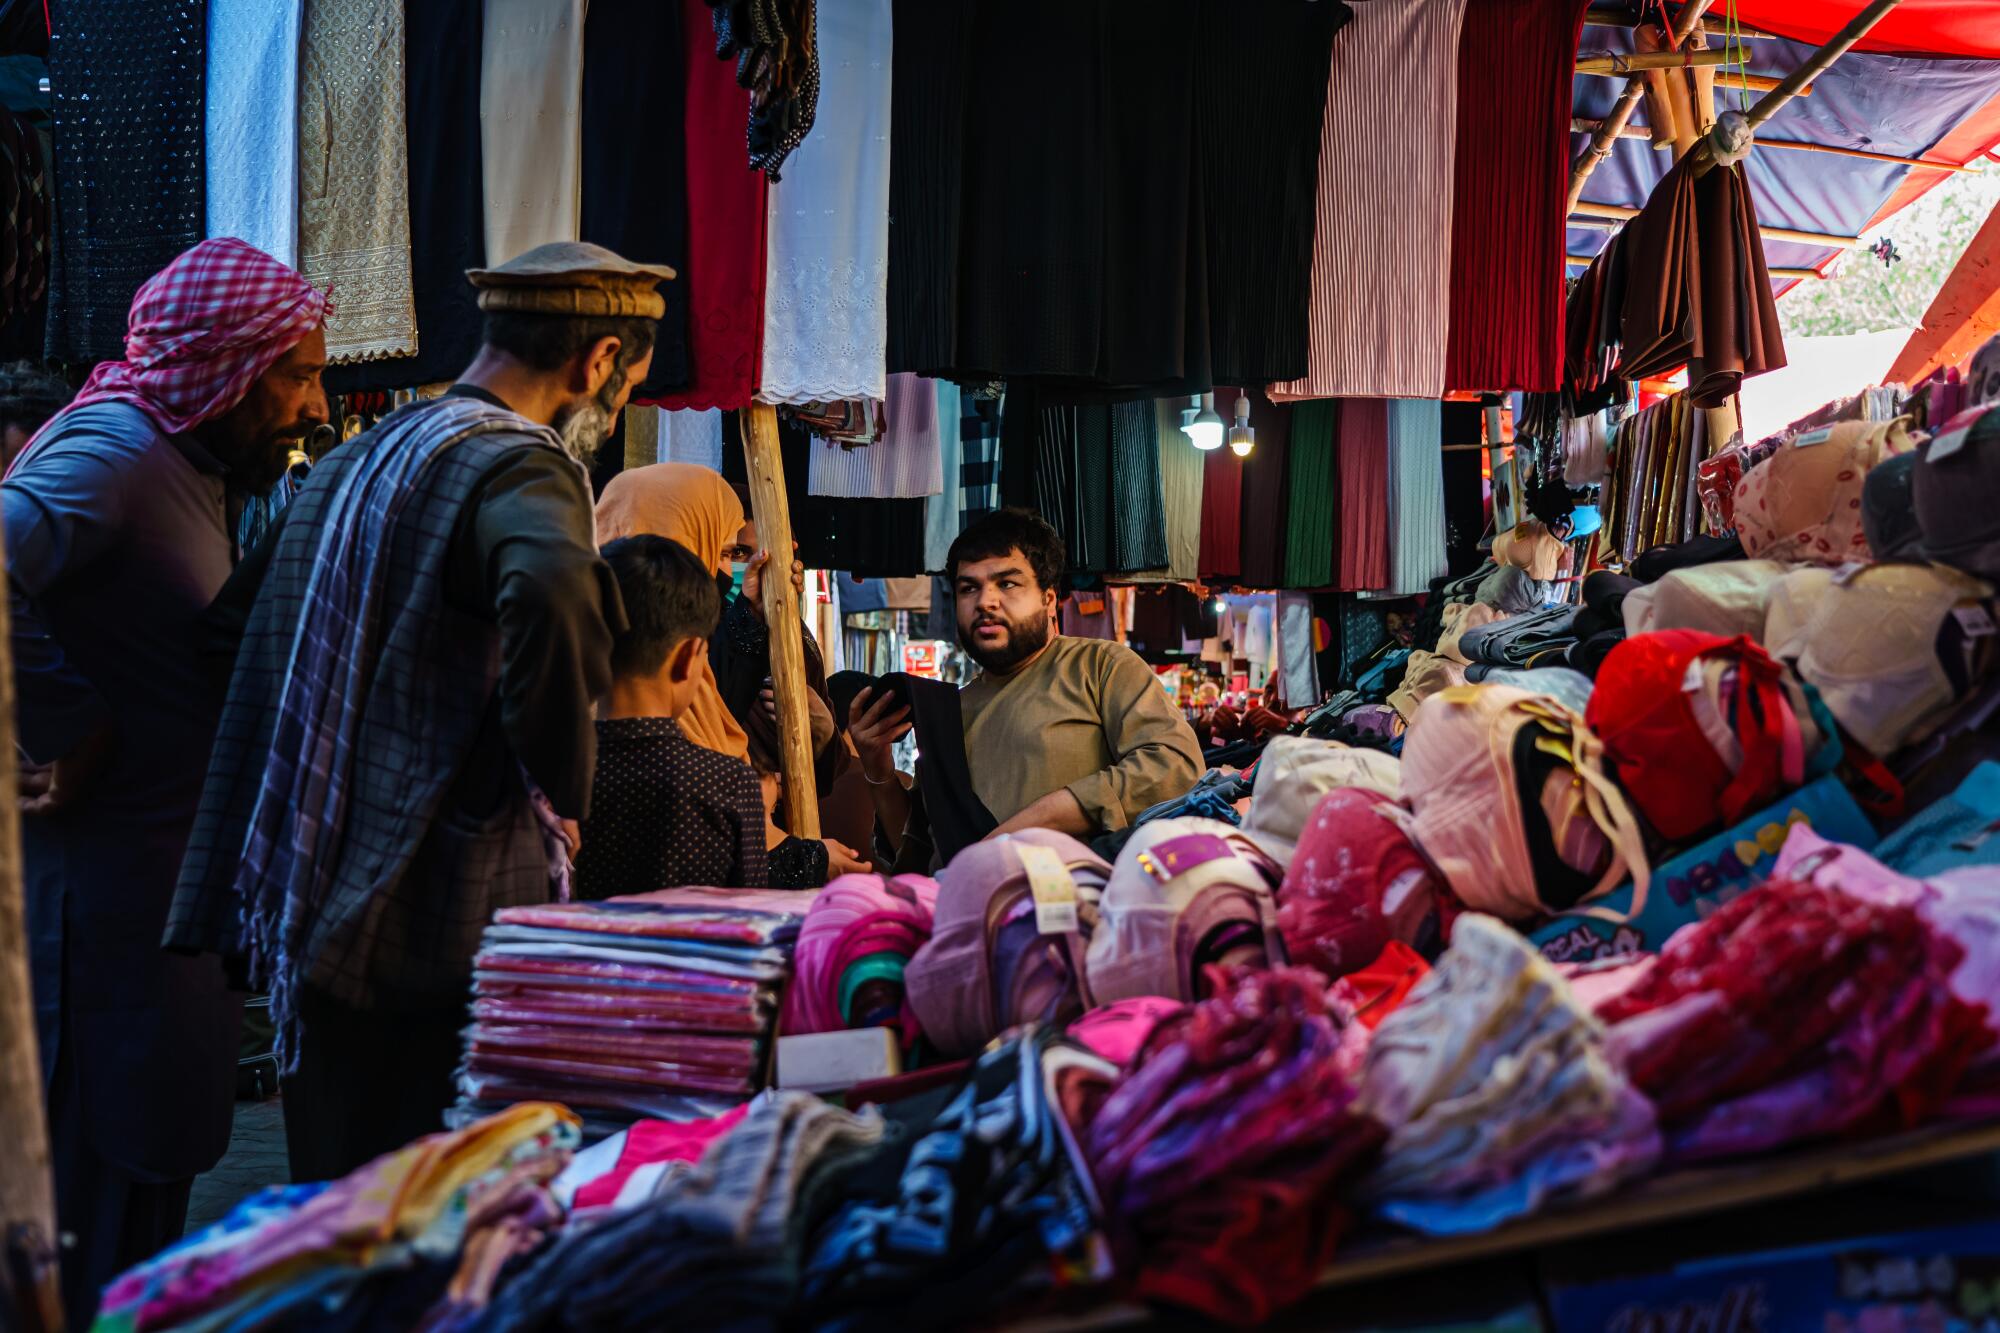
[(119, 517)]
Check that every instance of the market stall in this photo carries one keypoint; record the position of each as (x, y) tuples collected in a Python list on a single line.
[(1601, 829)]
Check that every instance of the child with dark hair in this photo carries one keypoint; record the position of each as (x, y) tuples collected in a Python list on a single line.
[(664, 811)]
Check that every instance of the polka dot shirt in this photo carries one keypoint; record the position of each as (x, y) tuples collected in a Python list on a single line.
[(664, 812)]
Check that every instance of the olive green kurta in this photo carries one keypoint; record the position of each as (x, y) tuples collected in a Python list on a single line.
[(1087, 715)]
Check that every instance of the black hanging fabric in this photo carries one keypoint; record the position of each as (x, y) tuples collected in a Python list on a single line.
[(868, 538), (637, 203), (447, 193), (1073, 200), (127, 85), (1265, 473), (1464, 489)]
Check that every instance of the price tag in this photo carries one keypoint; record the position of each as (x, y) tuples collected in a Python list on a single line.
[(1176, 856), (1053, 886), (1975, 620), (1812, 437), (1947, 444)]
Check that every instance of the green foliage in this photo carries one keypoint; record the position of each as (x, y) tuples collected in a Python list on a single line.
[(1863, 296)]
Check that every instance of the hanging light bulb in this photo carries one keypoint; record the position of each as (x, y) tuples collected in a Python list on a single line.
[(1206, 428), (1242, 438)]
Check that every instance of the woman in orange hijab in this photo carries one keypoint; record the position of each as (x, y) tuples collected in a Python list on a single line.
[(697, 508)]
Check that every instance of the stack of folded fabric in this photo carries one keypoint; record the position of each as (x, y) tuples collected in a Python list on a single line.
[(655, 1005), (1221, 1154), (1498, 1092), (1795, 1011), (414, 1239)]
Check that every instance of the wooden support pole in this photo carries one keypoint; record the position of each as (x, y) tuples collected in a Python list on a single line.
[(1786, 273), (1614, 64), (1601, 142), (30, 1298), (1609, 217), (781, 615), (1585, 125)]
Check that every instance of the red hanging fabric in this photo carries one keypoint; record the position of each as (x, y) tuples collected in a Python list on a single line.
[(1510, 172), (725, 240)]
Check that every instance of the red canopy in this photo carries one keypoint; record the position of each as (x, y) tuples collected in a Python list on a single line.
[(1914, 27)]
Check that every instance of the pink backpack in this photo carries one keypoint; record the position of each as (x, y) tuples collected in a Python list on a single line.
[(1014, 914)]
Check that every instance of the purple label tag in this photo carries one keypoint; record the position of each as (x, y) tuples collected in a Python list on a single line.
[(1177, 856)]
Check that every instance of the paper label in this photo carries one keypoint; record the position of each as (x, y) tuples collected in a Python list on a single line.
[(1947, 444), (1054, 889), (1176, 856), (1812, 437), (1975, 620)]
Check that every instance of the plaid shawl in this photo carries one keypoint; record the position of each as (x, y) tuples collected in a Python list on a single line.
[(201, 330), (289, 855)]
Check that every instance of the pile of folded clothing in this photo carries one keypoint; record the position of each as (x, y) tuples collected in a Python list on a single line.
[(662, 1004), (1222, 1152), (1794, 1012), (1498, 1092), (718, 1244), (414, 1239)]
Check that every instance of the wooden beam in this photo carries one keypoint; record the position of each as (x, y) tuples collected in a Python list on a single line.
[(1586, 125), (1786, 273), (30, 1297), (1615, 64), (1964, 314), (781, 616), (1609, 216), (1601, 143)]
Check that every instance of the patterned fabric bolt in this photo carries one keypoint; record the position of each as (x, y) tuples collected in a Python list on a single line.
[(354, 191), (1382, 251)]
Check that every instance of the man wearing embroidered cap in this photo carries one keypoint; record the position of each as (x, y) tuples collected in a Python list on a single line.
[(118, 517), (407, 742)]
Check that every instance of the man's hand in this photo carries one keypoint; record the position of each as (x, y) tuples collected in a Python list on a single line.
[(753, 580), (844, 860), (1059, 810), (817, 714), (48, 789), (875, 727)]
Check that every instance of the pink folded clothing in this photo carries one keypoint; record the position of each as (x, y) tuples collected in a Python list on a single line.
[(639, 1073), (1796, 1011), (729, 1055), (650, 1142), (607, 918), (613, 973), (680, 1019)]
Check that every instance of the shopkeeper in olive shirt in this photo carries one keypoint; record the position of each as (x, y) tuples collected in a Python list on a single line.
[(1069, 734)]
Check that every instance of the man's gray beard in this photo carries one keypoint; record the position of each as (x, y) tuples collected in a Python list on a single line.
[(583, 430)]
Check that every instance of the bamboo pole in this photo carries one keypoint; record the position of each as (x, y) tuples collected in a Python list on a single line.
[(1799, 80), (1616, 63), (1601, 143), (1586, 125), (1607, 217), (30, 1297), (781, 616), (1787, 273)]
